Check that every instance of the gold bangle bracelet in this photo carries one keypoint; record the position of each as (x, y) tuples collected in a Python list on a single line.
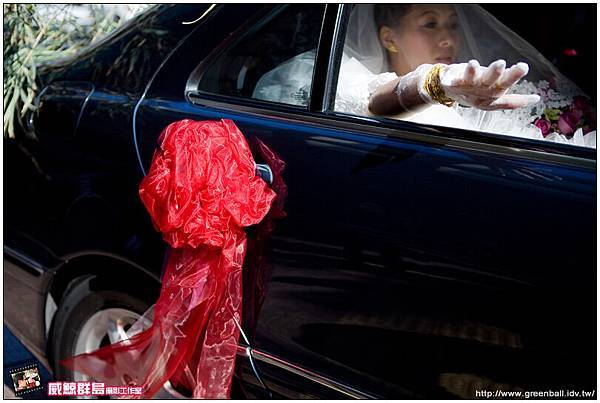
[(434, 88)]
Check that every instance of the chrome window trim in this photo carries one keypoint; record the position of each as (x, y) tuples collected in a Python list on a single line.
[(423, 134), (304, 373)]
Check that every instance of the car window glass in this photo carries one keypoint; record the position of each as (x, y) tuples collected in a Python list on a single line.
[(273, 61), (387, 41)]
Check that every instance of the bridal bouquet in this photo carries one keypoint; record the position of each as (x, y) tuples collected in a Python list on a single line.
[(568, 119)]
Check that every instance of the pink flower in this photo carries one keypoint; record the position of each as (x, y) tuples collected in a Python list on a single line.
[(543, 125), (568, 121)]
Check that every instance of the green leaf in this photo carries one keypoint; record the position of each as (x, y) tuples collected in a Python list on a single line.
[(552, 114), (28, 105), (23, 95), (9, 116)]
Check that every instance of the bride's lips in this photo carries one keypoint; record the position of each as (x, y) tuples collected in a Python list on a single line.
[(444, 60)]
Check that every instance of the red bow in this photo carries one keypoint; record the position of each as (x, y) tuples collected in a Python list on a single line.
[(200, 192)]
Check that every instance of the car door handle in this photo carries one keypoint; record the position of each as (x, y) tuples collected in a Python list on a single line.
[(264, 171)]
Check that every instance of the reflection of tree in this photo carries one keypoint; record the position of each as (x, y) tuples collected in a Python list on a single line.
[(37, 34), (139, 56), (23, 36)]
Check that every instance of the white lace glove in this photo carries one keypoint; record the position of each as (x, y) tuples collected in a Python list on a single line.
[(481, 87)]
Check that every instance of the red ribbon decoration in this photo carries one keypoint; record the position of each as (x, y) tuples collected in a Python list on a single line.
[(200, 192)]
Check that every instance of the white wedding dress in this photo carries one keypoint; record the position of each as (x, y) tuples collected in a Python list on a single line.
[(356, 83), (290, 83)]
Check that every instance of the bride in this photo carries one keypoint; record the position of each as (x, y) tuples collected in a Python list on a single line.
[(427, 63), (423, 63)]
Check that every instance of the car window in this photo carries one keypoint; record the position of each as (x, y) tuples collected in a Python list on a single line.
[(273, 61), (386, 41)]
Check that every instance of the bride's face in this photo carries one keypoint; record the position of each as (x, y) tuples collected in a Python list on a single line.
[(427, 33)]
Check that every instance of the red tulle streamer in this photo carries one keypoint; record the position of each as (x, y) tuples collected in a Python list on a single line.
[(200, 192)]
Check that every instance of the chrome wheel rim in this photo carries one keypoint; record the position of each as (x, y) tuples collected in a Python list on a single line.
[(105, 327)]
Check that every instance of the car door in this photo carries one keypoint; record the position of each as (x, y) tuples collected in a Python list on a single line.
[(413, 260), (165, 102)]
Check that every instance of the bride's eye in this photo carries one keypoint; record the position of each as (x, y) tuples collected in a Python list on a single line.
[(455, 26), (430, 24)]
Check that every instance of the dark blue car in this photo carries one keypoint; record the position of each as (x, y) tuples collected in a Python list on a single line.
[(414, 261)]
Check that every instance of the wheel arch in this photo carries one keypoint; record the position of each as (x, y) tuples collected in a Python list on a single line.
[(105, 267)]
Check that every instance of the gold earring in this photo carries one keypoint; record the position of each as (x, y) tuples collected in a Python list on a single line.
[(392, 48)]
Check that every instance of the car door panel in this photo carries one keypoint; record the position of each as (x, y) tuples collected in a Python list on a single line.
[(418, 251)]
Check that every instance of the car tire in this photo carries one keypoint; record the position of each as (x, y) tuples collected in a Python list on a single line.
[(83, 300)]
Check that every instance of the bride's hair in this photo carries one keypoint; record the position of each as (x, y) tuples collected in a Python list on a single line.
[(389, 14)]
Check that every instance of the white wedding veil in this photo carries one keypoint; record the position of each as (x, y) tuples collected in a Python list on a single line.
[(483, 37)]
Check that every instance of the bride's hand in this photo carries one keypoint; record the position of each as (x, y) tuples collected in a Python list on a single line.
[(485, 87)]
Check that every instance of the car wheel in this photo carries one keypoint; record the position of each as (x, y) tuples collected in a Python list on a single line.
[(92, 315)]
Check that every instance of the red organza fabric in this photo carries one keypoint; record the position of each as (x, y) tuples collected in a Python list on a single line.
[(200, 192)]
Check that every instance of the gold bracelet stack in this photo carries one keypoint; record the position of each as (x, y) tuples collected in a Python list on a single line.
[(434, 88)]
